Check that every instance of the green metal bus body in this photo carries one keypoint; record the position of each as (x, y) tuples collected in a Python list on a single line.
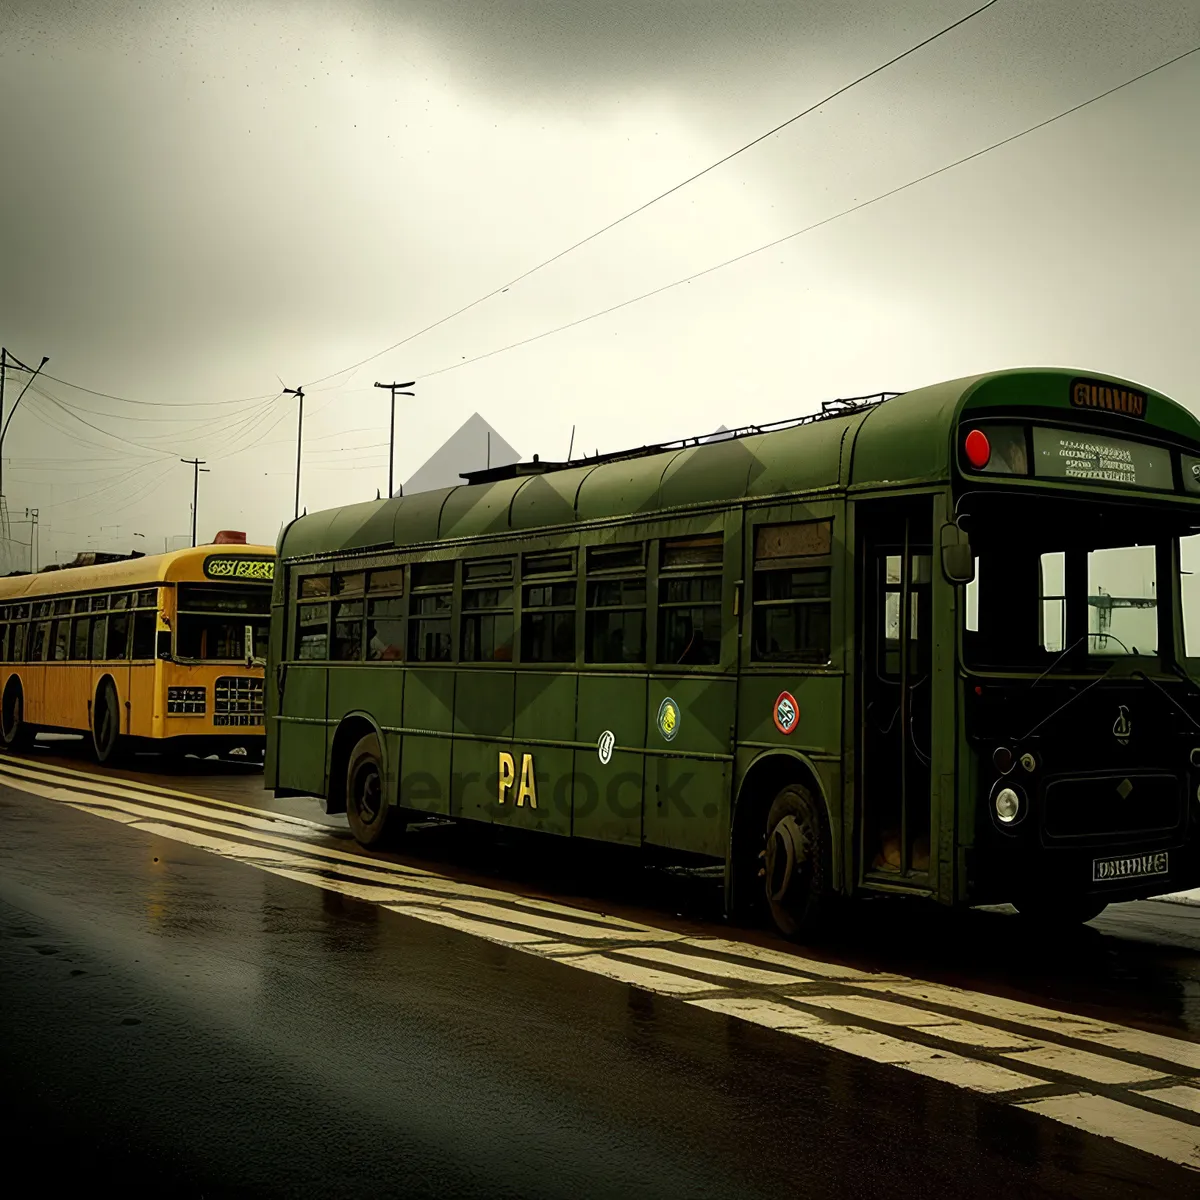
[(857, 653)]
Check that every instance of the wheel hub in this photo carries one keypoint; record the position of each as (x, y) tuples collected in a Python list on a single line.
[(787, 851), (368, 793)]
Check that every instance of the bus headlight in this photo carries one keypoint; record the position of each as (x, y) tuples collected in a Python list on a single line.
[(1008, 806)]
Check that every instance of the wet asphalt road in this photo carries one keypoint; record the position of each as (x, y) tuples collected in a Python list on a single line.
[(173, 1021)]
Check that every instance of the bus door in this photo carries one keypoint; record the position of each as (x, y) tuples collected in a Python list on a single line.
[(895, 682)]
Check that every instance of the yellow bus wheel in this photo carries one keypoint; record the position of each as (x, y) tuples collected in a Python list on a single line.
[(15, 735), (106, 724), (373, 821)]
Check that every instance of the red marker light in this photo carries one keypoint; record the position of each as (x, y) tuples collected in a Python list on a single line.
[(977, 448)]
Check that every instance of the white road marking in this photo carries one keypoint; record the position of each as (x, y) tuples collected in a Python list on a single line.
[(1157, 1135), (1103, 1035), (709, 966), (667, 963), (67, 775), (1182, 1095)]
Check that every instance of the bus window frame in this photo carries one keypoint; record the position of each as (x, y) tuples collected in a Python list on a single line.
[(665, 573)]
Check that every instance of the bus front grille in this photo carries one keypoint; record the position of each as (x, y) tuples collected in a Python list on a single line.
[(1104, 805), (185, 702), (238, 700)]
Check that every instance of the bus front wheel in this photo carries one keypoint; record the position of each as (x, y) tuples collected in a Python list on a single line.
[(373, 821), (797, 863), (14, 733), (106, 724)]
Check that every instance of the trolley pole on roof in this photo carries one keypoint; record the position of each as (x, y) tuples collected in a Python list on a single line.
[(394, 388), (197, 465), (299, 394)]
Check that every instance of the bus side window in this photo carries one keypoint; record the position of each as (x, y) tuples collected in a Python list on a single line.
[(615, 623), (61, 640), (117, 644), (5, 636), (689, 601), (96, 648), (548, 622), (792, 596), (312, 618), (144, 622), (348, 631), (312, 632), (36, 645), (16, 647), (80, 638), (385, 615), (430, 606), (487, 611)]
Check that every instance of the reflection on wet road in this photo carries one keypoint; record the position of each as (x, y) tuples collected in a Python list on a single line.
[(1081, 1058)]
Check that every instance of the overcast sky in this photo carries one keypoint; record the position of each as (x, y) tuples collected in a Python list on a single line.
[(200, 200)]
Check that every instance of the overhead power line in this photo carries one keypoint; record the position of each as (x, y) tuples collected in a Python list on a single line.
[(641, 208), (156, 403), (666, 287)]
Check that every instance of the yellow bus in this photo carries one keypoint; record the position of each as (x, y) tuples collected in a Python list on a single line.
[(160, 651)]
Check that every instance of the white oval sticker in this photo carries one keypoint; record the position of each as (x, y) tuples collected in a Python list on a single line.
[(604, 747)]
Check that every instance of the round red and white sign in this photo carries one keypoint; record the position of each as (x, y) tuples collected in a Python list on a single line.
[(787, 712)]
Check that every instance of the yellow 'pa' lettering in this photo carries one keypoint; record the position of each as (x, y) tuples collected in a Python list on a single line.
[(528, 786), (508, 774)]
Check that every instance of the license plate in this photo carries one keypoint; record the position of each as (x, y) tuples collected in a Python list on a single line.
[(1132, 866)]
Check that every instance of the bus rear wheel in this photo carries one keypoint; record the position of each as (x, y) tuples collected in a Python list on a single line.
[(797, 863), (373, 821), (106, 724), (15, 735)]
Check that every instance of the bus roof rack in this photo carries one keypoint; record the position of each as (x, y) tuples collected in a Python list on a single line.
[(89, 558), (829, 408)]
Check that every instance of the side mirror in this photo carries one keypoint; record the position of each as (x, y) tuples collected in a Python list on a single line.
[(958, 560)]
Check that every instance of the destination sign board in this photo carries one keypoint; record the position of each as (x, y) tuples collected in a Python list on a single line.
[(1108, 397), (243, 567), (1088, 458)]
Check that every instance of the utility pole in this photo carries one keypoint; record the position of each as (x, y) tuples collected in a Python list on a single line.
[(299, 394), (31, 515), (394, 388), (6, 360), (197, 465)]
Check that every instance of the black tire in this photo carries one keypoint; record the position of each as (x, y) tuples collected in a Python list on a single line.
[(15, 736), (1059, 912), (373, 821), (797, 863), (107, 743)]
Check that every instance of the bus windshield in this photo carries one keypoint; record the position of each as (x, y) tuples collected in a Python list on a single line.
[(1084, 583), (213, 618)]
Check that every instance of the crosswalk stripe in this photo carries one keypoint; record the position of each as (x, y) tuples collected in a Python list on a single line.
[(953, 1035)]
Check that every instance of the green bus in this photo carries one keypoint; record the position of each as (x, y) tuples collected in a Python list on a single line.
[(911, 644)]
